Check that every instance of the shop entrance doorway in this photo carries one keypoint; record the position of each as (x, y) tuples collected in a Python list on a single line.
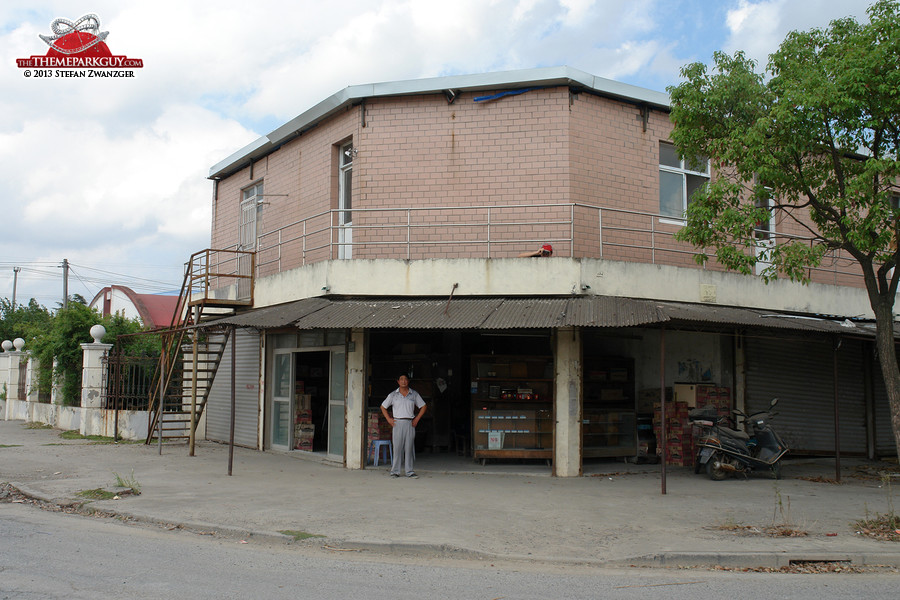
[(308, 401), (439, 365)]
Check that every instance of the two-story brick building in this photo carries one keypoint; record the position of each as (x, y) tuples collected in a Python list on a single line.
[(383, 226)]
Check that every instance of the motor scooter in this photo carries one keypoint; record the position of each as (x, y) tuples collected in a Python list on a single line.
[(725, 451)]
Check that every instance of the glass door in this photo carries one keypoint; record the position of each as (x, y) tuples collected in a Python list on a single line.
[(336, 404), (282, 393)]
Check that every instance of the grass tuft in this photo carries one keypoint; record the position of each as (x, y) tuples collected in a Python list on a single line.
[(299, 535), (97, 494), (128, 482)]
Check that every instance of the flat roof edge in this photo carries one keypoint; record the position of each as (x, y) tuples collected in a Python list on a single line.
[(241, 155)]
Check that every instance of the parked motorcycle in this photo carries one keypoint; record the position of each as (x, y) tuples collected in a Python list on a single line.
[(725, 451)]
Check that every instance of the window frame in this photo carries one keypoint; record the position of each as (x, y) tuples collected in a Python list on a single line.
[(765, 230), (345, 191), (684, 172), (251, 204)]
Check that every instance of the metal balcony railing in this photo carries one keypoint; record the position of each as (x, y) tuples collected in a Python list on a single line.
[(501, 231)]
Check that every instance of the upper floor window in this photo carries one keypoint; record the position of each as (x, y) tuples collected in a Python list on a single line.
[(345, 202), (678, 180), (251, 199), (765, 228), (345, 197)]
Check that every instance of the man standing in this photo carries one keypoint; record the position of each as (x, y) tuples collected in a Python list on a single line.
[(404, 401)]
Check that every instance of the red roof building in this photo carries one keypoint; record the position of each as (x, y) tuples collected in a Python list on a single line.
[(153, 310)]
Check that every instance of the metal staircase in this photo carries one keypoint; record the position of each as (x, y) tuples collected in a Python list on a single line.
[(191, 351)]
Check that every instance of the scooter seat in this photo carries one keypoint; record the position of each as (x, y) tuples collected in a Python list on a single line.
[(736, 434)]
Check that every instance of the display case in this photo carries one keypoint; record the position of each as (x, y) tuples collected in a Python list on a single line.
[(609, 420), (512, 401)]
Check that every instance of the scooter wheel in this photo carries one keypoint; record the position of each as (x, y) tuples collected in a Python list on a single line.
[(697, 465), (714, 469)]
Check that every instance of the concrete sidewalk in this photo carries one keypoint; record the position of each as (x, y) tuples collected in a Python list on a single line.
[(615, 515)]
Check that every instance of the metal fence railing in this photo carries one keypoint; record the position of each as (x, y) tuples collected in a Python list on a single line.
[(128, 381)]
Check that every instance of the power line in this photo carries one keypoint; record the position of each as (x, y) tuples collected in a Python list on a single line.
[(125, 278)]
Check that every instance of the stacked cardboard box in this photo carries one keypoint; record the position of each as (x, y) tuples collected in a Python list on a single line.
[(377, 428), (681, 436), (649, 397), (303, 408), (304, 434), (678, 441), (304, 430)]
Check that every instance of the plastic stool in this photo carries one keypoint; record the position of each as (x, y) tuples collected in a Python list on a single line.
[(378, 445)]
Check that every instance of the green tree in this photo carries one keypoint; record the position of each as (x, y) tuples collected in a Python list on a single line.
[(59, 343), (819, 133), (23, 320), (58, 350)]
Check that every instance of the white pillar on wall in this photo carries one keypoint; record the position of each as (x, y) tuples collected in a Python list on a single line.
[(4, 363), (355, 410), (31, 379), (15, 383), (4, 376), (55, 386), (567, 402), (92, 369)]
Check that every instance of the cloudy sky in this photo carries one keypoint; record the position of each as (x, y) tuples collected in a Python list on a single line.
[(111, 174)]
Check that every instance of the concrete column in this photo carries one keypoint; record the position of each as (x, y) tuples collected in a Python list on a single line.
[(4, 363), (356, 400), (15, 384), (31, 379), (55, 386), (92, 369), (4, 378), (567, 402)]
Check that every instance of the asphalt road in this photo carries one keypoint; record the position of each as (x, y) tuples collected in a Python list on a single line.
[(54, 555)]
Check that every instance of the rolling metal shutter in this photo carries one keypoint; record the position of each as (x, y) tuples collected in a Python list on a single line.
[(884, 434), (800, 374), (218, 408)]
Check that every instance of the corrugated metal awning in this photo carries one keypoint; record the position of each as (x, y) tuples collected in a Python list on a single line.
[(761, 318), (462, 313), (526, 313), (279, 315)]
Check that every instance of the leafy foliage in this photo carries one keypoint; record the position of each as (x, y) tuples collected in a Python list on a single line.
[(817, 135), (57, 338), (23, 320), (61, 343)]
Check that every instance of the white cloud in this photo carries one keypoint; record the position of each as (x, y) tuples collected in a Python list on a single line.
[(758, 28)]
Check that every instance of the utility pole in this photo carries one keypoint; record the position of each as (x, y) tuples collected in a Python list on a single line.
[(65, 268), (15, 282)]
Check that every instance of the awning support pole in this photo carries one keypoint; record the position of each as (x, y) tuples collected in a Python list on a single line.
[(233, 397), (837, 418), (661, 444)]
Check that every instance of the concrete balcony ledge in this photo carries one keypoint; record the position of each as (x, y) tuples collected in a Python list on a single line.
[(512, 277)]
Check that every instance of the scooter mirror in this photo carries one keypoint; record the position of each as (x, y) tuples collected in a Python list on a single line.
[(773, 403)]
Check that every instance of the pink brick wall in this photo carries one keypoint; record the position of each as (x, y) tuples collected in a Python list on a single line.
[(545, 147)]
